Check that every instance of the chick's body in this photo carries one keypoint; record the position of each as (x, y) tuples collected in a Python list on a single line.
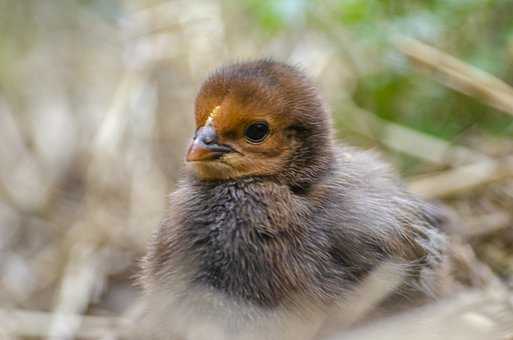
[(273, 252)]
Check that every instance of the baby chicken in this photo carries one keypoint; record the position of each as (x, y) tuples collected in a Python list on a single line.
[(276, 227)]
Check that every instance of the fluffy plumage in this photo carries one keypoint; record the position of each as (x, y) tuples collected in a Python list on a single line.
[(266, 236)]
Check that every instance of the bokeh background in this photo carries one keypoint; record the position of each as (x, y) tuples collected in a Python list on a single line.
[(96, 110)]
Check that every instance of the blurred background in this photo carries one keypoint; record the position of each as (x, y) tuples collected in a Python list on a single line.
[(96, 111)]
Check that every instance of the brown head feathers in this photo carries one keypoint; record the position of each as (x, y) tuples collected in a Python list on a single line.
[(260, 118)]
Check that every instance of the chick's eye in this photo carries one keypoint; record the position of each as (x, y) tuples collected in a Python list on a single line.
[(256, 133)]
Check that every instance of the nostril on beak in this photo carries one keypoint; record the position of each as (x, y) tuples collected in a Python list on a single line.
[(207, 135), (209, 138)]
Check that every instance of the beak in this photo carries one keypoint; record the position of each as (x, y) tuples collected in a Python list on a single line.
[(204, 147)]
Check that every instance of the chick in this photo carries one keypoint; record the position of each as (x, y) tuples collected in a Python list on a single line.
[(276, 228)]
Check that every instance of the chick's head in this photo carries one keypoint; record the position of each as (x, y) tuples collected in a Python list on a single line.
[(260, 118)]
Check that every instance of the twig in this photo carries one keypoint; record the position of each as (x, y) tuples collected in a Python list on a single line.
[(409, 141), (25, 323), (367, 296), (80, 278), (463, 178), (487, 224), (476, 315), (424, 146), (458, 75)]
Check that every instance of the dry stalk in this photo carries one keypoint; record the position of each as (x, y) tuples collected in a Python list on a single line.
[(462, 179), (458, 75)]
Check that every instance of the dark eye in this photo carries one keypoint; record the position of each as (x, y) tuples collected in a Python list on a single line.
[(256, 133)]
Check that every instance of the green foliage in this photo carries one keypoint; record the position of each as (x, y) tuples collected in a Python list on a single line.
[(267, 14), (476, 31), (358, 12)]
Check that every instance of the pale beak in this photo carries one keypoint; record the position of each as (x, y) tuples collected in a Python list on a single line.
[(204, 147)]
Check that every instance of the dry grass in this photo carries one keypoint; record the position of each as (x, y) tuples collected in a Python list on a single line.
[(93, 125)]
